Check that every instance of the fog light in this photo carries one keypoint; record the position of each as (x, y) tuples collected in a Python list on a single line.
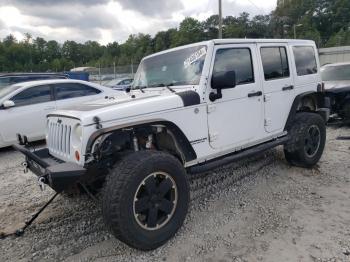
[(77, 155)]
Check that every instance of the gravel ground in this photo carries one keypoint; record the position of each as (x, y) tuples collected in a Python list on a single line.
[(259, 209)]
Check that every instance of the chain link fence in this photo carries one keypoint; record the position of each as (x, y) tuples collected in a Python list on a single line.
[(102, 75)]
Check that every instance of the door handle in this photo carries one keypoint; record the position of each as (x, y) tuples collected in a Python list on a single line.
[(259, 93), (287, 88)]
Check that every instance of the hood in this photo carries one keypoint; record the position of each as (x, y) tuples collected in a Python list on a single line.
[(336, 84), (126, 105)]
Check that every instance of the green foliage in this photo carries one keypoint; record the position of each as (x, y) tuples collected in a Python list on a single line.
[(319, 20), (327, 22)]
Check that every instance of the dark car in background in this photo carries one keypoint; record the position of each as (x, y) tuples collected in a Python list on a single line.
[(336, 79), (14, 78)]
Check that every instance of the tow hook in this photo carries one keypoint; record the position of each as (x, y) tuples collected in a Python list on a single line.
[(41, 182), (25, 167)]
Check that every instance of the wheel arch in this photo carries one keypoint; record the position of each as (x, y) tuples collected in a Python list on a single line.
[(316, 101), (180, 140)]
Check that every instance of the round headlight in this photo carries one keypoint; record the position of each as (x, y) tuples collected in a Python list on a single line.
[(78, 131)]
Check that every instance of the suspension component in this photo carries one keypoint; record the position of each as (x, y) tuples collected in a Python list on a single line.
[(136, 143), (149, 142)]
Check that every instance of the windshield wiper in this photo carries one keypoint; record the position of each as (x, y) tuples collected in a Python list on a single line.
[(167, 86)]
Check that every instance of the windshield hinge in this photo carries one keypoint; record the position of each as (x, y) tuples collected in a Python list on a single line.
[(211, 108)]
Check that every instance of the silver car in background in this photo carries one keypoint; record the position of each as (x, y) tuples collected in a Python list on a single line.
[(336, 78), (120, 84)]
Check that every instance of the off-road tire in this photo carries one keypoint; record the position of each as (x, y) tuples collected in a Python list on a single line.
[(124, 181), (295, 150)]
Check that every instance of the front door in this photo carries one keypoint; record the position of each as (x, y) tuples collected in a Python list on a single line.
[(237, 118), (278, 85)]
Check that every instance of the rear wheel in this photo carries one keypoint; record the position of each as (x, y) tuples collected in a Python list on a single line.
[(308, 137), (146, 199)]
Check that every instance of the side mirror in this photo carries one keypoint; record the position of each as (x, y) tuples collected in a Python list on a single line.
[(222, 80), (8, 104)]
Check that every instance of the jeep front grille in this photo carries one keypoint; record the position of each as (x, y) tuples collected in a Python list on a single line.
[(58, 139)]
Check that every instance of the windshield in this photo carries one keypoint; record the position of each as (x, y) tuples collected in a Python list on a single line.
[(180, 67), (4, 91), (336, 73)]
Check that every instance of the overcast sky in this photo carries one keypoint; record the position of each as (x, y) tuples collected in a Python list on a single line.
[(110, 20)]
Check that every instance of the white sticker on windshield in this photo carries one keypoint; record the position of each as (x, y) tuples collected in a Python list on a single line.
[(195, 57)]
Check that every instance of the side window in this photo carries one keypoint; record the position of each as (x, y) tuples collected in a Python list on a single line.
[(237, 59), (33, 95), (275, 62), (20, 79), (305, 60), (4, 81), (71, 90)]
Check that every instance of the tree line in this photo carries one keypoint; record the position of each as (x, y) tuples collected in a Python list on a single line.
[(327, 22)]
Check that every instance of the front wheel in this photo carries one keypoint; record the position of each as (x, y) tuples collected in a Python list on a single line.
[(308, 137), (146, 199)]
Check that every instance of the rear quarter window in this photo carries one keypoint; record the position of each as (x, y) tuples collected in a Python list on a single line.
[(305, 60)]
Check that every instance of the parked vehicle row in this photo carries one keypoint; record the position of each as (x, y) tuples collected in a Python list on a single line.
[(24, 106), (190, 109)]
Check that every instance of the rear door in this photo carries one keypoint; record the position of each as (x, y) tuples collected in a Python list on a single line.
[(278, 84), (69, 94), (28, 116)]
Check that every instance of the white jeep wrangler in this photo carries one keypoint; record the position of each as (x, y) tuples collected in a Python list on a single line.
[(190, 109)]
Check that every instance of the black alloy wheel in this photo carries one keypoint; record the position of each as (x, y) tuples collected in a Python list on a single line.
[(155, 201), (312, 141)]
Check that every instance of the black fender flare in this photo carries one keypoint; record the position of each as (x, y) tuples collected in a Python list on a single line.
[(321, 100), (181, 139)]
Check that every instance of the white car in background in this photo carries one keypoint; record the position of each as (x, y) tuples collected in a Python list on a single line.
[(24, 106)]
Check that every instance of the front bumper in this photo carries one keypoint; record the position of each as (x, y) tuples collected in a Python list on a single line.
[(58, 174)]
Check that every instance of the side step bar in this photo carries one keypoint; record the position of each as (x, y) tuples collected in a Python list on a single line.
[(224, 160)]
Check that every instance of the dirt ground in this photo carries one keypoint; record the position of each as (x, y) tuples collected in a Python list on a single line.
[(259, 209)]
